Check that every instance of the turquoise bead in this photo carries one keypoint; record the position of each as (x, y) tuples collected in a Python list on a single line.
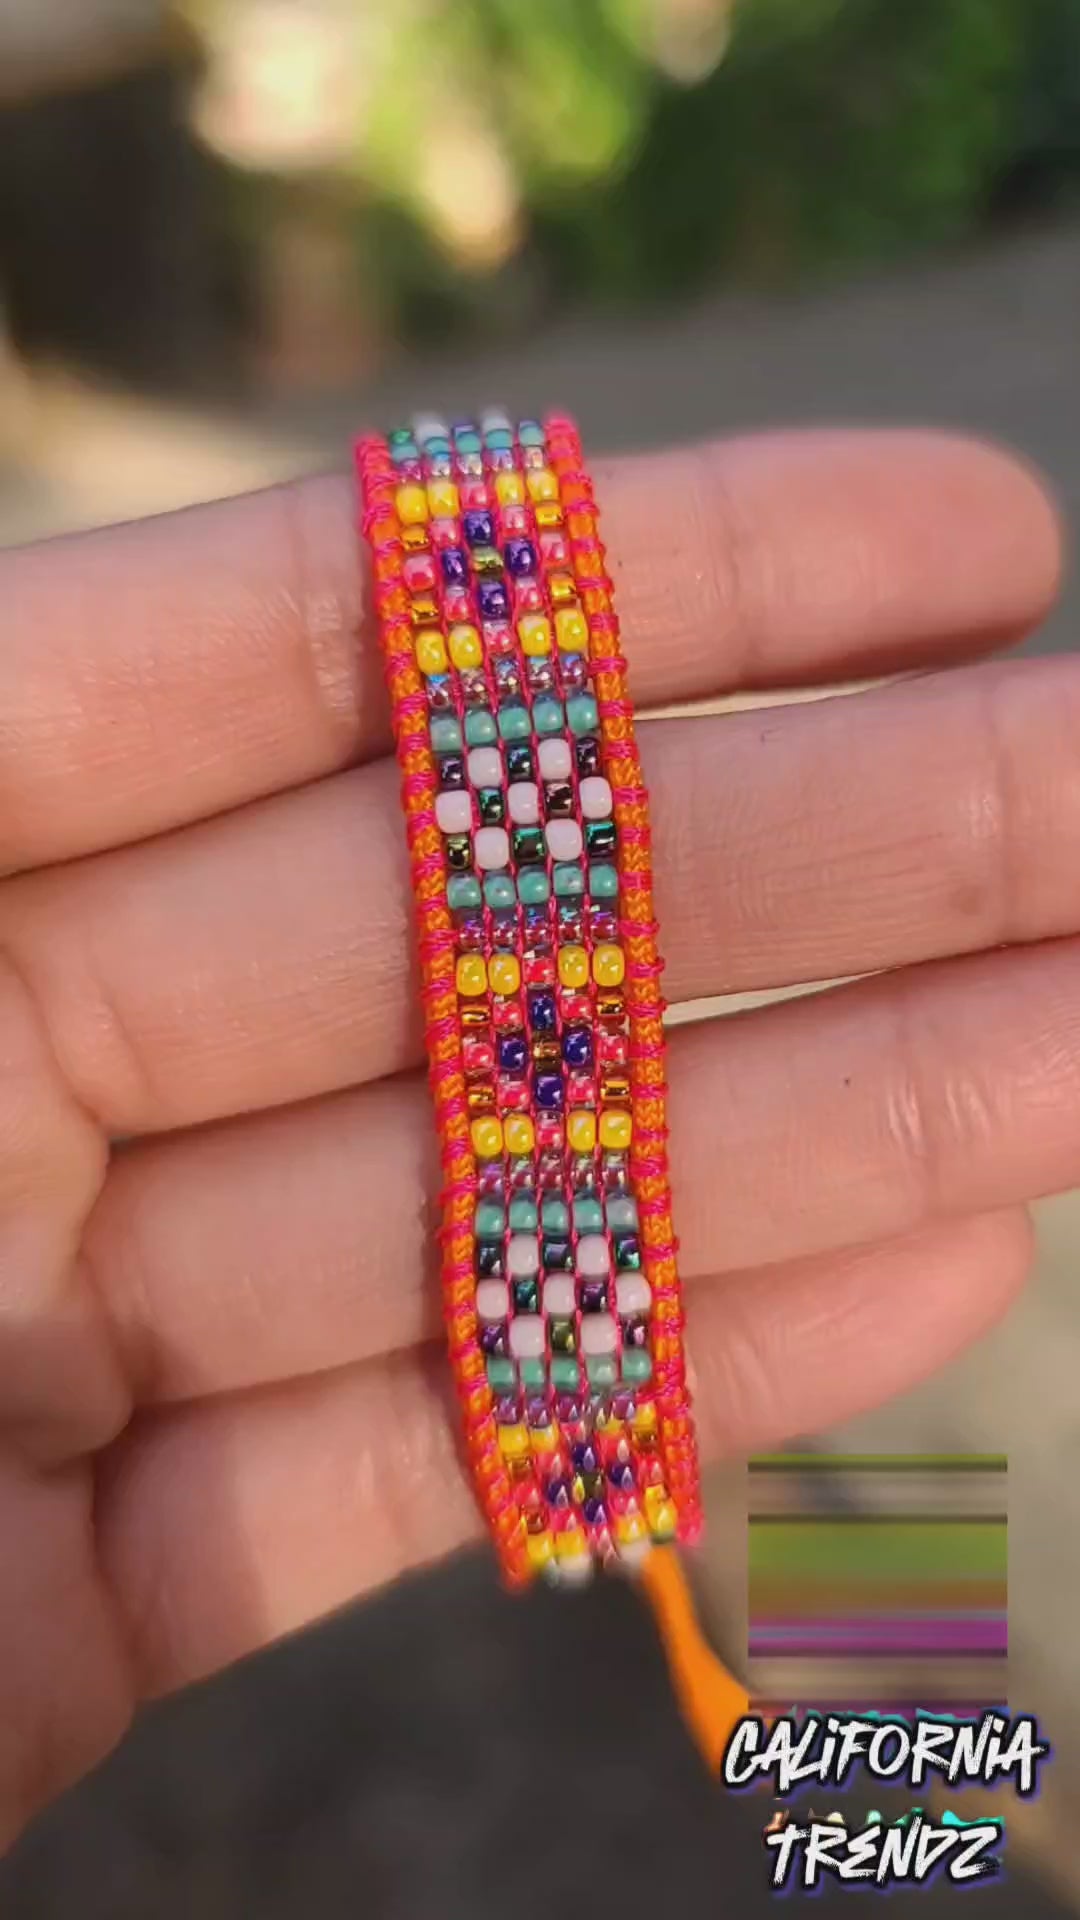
[(468, 441), (531, 433), (582, 713), (565, 1372), (534, 887), (523, 1214), (636, 1365), (499, 890), (548, 715), (555, 1216), (514, 722), (569, 882), (500, 1372), (480, 728), (490, 1220), (602, 1370), (463, 890), (622, 1213), (499, 439), (446, 733), (588, 1214), (533, 1373), (603, 881)]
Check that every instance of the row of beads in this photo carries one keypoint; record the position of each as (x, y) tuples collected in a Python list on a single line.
[(526, 814)]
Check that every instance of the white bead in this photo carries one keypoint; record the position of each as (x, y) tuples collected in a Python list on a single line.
[(527, 1336), (598, 1333), (522, 1256), (492, 1300), (593, 1256), (491, 848), (485, 767), (428, 426), (634, 1553), (559, 1296), (633, 1293), (595, 796), (564, 839), (523, 803), (494, 419), (554, 758), (453, 811)]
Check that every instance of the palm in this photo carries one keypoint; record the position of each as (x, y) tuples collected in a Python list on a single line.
[(219, 1365)]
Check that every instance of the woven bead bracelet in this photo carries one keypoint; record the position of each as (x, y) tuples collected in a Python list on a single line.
[(528, 837)]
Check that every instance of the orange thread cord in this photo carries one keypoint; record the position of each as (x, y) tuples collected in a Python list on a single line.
[(712, 1701)]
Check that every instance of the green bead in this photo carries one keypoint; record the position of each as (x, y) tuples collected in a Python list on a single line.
[(534, 887), (499, 890), (463, 890), (603, 881), (588, 1214), (602, 1370), (622, 1213), (400, 437), (636, 1365), (533, 1373), (445, 733), (565, 1373), (490, 1220), (526, 1295), (523, 1214), (514, 722), (568, 881), (555, 1216), (582, 713), (548, 715), (480, 728), (500, 1372)]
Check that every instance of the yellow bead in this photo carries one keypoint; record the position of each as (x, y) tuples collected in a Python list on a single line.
[(572, 630), (504, 973), (581, 1130), (443, 499), (514, 1440), (519, 1133), (510, 489), (471, 975), (535, 634), (573, 966), (540, 1548), (660, 1510), (644, 1420), (545, 1439), (549, 513), (630, 1527), (412, 506), (570, 1544), (430, 651), (415, 539), (487, 1139), (562, 588), (608, 966), (465, 648), (615, 1130), (542, 484)]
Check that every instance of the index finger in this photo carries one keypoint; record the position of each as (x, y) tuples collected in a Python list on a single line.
[(172, 668)]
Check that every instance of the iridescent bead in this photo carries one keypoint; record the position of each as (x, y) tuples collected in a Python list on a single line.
[(542, 1012), (593, 1295), (440, 693), (520, 558), (498, 638), (471, 467), (474, 692), (525, 1292), (486, 560), (479, 528), (616, 1174), (494, 1338), (493, 599), (455, 567), (537, 930), (550, 1169), (491, 806), (539, 674), (548, 1090), (635, 1331), (599, 839), (558, 1253), (571, 923), (451, 776), (528, 846), (575, 673), (508, 1406), (538, 1410), (587, 756), (520, 764), (507, 678), (491, 1181), (627, 1253), (469, 932), (559, 800), (504, 929), (577, 1047)]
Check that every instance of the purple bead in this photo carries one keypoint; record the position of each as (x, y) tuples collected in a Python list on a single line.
[(538, 1409), (494, 600), (635, 1330), (577, 1047), (507, 674), (508, 1409), (593, 1295), (521, 558), (585, 1457), (548, 1088), (494, 1338), (540, 674), (569, 1409), (558, 1493), (491, 1181), (479, 528), (542, 1012), (440, 693), (575, 672), (602, 924), (570, 923), (513, 1053), (624, 1406), (595, 1511), (621, 1475), (454, 566)]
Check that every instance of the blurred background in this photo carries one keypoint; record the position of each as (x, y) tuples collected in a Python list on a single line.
[(230, 231)]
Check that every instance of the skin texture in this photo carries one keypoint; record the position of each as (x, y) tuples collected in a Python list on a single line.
[(222, 1405)]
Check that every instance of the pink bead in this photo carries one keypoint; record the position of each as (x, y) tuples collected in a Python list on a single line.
[(508, 1015), (581, 1090), (419, 572), (512, 1096), (474, 494), (445, 532), (549, 1130), (498, 637), (554, 550), (528, 597), (575, 1007), (457, 605), (539, 970), (515, 521)]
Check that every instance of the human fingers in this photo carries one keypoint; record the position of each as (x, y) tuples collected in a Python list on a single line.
[(854, 1116), (162, 671), (268, 956), (227, 1523)]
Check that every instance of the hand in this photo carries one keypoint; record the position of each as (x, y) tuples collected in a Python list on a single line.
[(221, 1383)]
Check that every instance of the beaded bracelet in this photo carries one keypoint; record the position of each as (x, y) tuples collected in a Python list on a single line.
[(528, 837)]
